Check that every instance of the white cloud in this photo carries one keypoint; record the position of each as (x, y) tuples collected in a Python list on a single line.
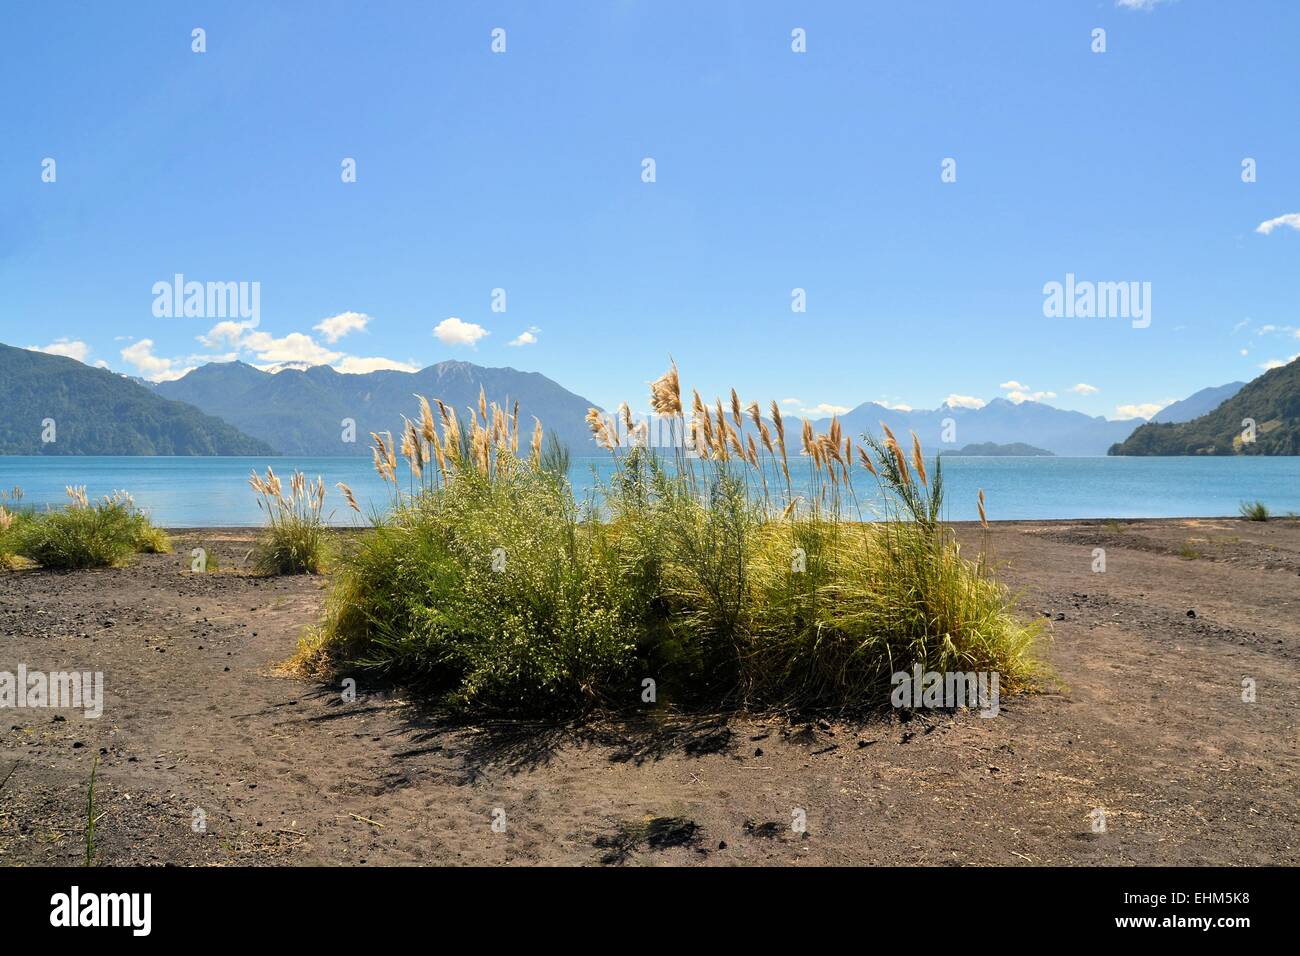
[(71, 348), (294, 347), (453, 331), (225, 333), (824, 410), (150, 366), (791, 401), (1083, 388), (895, 406), (1019, 396), (1278, 363), (1291, 219), (337, 326), (297, 349), (1140, 410), (355, 365), (528, 337), (1014, 385), (963, 401), (1245, 352), (1140, 4)]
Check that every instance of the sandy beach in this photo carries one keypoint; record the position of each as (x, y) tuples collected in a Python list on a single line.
[(1147, 723)]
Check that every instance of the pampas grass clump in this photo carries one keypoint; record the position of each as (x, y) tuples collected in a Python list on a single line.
[(699, 568), (85, 534)]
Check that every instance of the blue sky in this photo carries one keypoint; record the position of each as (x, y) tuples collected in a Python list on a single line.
[(774, 170)]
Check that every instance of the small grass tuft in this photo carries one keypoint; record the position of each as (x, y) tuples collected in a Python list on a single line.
[(294, 541), (1254, 511)]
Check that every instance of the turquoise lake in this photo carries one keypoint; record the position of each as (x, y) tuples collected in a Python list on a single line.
[(214, 492)]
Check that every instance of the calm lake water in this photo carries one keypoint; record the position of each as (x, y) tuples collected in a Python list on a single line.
[(213, 492)]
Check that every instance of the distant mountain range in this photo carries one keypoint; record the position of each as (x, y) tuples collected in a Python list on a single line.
[(302, 411), (1000, 421), (92, 411), (232, 408), (1271, 402)]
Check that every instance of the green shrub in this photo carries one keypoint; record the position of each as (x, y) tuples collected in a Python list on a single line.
[(87, 535), (490, 586), (1255, 511), (294, 541)]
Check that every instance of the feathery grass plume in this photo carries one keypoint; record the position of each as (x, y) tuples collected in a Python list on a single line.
[(891, 444), (77, 496), (626, 413), (918, 460), (416, 458), (514, 422), (865, 460), (435, 448), (704, 421), (735, 411), (808, 437), (984, 520), (483, 451), (536, 446), (379, 451), (753, 450), (600, 429), (666, 393), (349, 497), (408, 443), (452, 440), (427, 427), (835, 431), (482, 405), (779, 424), (736, 447), (496, 423)]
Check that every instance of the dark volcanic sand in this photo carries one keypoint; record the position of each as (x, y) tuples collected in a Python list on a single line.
[(1151, 728)]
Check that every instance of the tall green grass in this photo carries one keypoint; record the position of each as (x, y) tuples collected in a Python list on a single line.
[(84, 534), (489, 584)]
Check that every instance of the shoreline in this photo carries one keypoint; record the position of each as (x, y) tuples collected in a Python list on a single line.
[(1147, 723)]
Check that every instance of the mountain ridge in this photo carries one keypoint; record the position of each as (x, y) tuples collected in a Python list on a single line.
[(1271, 402), (1000, 421), (98, 412), (304, 411)]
